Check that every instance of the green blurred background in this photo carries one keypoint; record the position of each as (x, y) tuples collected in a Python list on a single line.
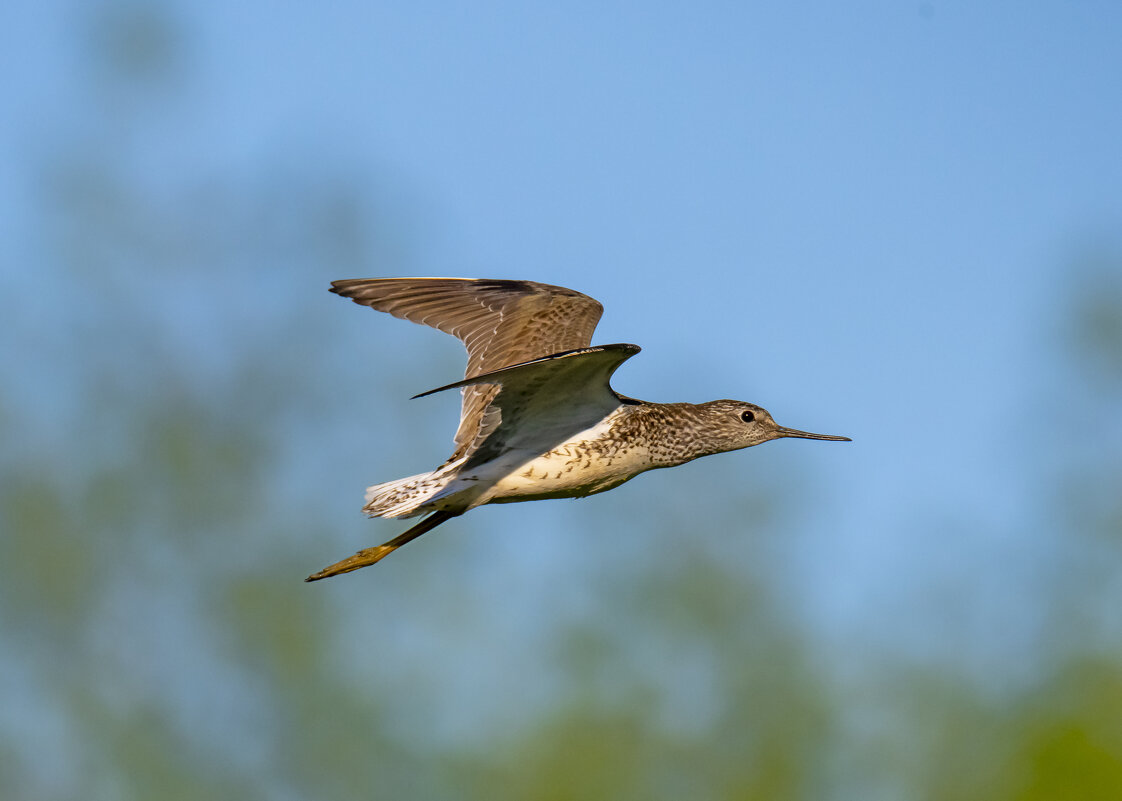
[(893, 221)]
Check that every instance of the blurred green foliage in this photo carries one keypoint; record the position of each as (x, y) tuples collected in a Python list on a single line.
[(158, 641)]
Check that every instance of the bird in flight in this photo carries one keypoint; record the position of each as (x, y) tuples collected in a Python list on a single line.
[(539, 418)]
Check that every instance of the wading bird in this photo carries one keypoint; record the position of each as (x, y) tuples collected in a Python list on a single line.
[(539, 418)]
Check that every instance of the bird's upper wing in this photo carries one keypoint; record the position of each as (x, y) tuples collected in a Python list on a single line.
[(543, 402), (500, 322)]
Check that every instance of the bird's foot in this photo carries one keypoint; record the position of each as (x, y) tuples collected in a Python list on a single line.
[(365, 557)]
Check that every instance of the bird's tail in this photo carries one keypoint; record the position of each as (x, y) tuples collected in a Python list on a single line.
[(405, 497)]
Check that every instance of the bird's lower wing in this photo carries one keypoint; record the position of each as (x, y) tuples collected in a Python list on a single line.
[(543, 402)]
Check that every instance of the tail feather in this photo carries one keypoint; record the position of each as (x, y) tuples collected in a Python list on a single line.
[(404, 497)]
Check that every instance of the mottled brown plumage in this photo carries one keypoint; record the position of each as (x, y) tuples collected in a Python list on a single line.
[(500, 323)]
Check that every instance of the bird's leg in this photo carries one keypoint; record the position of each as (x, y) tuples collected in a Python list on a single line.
[(368, 556)]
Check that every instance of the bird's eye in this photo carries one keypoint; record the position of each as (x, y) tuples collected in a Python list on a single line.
[(748, 416)]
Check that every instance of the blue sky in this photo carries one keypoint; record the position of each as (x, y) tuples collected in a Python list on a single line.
[(857, 215)]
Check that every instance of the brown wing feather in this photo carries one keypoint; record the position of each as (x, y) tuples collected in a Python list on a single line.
[(500, 323)]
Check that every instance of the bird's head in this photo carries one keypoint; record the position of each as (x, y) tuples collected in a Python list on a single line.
[(739, 424)]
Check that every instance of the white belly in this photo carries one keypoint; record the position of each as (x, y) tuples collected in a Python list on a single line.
[(572, 470)]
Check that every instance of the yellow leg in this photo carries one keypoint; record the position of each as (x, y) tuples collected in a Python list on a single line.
[(368, 556)]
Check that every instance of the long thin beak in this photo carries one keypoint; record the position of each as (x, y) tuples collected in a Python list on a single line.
[(794, 432)]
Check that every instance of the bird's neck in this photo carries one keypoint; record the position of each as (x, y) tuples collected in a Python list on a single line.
[(669, 431)]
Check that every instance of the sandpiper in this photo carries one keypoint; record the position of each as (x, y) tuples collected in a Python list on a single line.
[(539, 418)]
